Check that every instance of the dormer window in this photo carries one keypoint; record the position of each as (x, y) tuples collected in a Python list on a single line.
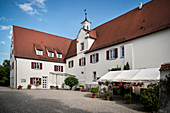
[(38, 50), (50, 52), (59, 55), (82, 46)]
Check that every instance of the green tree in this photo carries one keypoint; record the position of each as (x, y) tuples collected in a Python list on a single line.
[(5, 73), (71, 81), (126, 67)]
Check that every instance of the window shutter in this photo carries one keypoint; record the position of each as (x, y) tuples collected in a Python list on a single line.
[(107, 55), (31, 80), (61, 68), (116, 53), (69, 64), (55, 68), (32, 65), (79, 62), (84, 61), (97, 57), (90, 58), (40, 81), (40, 65), (72, 63)]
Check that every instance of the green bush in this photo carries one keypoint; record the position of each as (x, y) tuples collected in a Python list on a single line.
[(94, 90), (71, 81), (29, 85), (107, 94), (126, 67), (127, 96), (150, 98)]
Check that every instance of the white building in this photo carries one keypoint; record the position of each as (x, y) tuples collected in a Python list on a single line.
[(140, 37)]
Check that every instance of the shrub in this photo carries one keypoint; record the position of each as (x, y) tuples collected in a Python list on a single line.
[(71, 81), (150, 98), (29, 85), (115, 69), (127, 96), (94, 90), (126, 67), (107, 94)]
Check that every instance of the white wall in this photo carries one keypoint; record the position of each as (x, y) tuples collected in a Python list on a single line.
[(146, 52), (152, 50), (24, 71)]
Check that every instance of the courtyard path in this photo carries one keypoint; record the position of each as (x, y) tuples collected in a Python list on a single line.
[(59, 101)]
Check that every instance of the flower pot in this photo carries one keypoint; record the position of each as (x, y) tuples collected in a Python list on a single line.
[(107, 98), (82, 90), (128, 101), (94, 95), (140, 85), (29, 87)]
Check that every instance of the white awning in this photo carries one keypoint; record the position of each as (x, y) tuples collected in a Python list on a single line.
[(143, 75), (109, 76)]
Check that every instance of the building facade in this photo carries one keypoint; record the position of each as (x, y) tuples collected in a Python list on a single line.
[(136, 37)]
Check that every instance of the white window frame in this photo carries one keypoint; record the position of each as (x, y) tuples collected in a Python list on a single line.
[(82, 62), (94, 76), (82, 46), (94, 58), (38, 52), (122, 51), (59, 56), (58, 68), (36, 65), (50, 54), (112, 54), (71, 63), (35, 79)]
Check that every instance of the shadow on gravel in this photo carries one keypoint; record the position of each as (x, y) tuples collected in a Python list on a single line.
[(18, 102)]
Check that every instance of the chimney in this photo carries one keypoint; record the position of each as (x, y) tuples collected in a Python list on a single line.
[(140, 5)]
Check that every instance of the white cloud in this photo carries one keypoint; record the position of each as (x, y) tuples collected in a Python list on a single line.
[(2, 18), (40, 19), (3, 53), (11, 32), (2, 42), (2, 27), (33, 7)]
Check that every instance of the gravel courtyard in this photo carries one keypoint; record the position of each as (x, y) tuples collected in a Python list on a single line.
[(60, 101)]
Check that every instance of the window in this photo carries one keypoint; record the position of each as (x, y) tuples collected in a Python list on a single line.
[(34, 80), (50, 54), (83, 27), (58, 68), (82, 61), (94, 58), (59, 55), (94, 76), (122, 51), (111, 54), (70, 64), (36, 65), (82, 46), (87, 27), (39, 52)]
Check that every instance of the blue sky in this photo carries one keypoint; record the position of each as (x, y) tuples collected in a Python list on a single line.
[(58, 17)]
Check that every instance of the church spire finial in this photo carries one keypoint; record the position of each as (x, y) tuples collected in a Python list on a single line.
[(85, 14)]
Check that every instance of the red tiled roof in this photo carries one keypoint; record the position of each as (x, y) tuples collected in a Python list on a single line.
[(25, 40), (92, 34), (165, 67), (153, 16), (72, 51)]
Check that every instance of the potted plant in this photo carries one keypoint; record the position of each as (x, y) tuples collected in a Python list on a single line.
[(29, 86), (83, 89), (107, 95), (94, 91), (20, 87), (127, 98), (37, 82), (140, 84)]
